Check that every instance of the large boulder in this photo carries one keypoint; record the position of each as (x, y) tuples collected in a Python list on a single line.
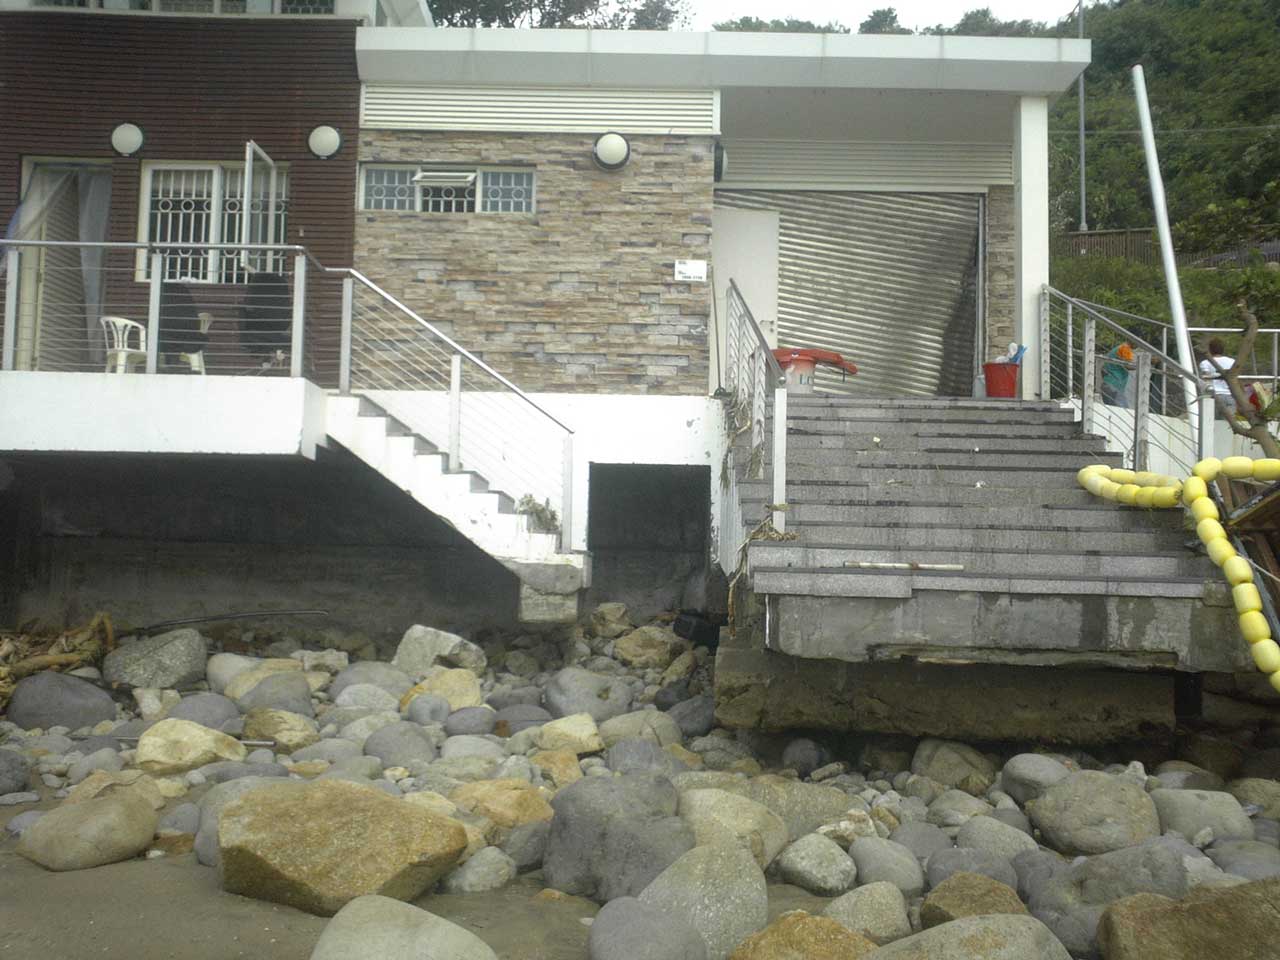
[(13, 772), (175, 746), (803, 807), (422, 648), (1262, 793), (508, 803), (172, 659), (1028, 775), (652, 647), (879, 859), (1238, 922), (629, 929), (611, 836), (1091, 812), (574, 690), (994, 837), (1251, 859), (800, 936), (77, 836), (50, 699), (317, 846), (720, 817), (1191, 811), (211, 807), (718, 890), (817, 864), (968, 895), (609, 620), (996, 937), (953, 764), (947, 862), (374, 926), (877, 910)]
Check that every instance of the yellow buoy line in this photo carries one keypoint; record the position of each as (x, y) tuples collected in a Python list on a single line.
[(1156, 491)]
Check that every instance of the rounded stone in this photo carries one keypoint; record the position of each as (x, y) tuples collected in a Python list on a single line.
[(49, 699)]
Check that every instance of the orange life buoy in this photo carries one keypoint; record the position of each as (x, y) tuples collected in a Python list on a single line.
[(788, 355)]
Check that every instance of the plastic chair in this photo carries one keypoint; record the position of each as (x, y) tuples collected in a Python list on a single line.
[(195, 359), (120, 335)]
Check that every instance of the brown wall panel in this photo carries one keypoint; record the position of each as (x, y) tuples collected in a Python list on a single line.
[(199, 88)]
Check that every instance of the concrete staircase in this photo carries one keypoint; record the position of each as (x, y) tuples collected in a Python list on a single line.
[(550, 580), (1042, 572)]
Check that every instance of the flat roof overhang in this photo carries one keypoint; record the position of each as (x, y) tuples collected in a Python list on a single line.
[(656, 59)]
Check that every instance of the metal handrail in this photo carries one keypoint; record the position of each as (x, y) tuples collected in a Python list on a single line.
[(772, 361), (1164, 358), (166, 245)]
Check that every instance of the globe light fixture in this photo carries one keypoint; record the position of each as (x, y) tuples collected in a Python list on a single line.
[(127, 139), (324, 141), (611, 151)]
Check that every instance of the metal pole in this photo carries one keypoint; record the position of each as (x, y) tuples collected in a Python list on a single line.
[(1186, 356), (11, 265), (344, 348), (153, 314), (1142, 412), (780, 456), (566, 492), (1071, 352), (1084, 219), (1090, 373), (299, 312), (1046, 347), (455, 412)]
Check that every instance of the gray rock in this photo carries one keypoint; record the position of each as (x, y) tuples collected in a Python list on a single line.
[(13, 772), (674, 692), (210, 710), (51, 743), (611, 836), (630, 929), (332, 750), (803, 756), (961, 860), (400, 744), (487, 869), (817, 864), (21, 821), (574, 690), (456, 748), (77, 836), (1028, 775), (1090, 812), (358, 731), (1035, 868), (98, 742), (1251, 859), (877, 910), (104, 759), (428, 708), (1190, 811), (521, 716), (211, 804), (641, 756), (395, 682), (952, 764), (1014, 818), (955, 807), (503, 697), (387, 929), (172, 659), (361, 768), (280, 691), (49, 699), (184, 818), (19, 798), (718, 891), (422, 648), (222, 668), (999, 936), (996, 838), (1267, 831), (366, 696), (695, 716), (225, 770), (526, 845), (471, 721), (879, 859), (922, 839)]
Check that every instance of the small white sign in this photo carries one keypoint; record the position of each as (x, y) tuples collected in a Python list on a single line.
[(691, 271)]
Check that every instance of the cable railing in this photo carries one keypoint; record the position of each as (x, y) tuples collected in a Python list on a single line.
[(478, 419), (753, 377)]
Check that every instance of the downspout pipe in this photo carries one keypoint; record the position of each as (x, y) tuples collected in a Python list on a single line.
[(1186, 355)]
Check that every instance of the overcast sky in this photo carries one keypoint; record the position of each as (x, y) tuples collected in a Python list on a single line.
[(911, 13)]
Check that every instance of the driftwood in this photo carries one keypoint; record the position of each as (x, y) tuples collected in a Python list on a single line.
[(22, 654), (1246, 420)]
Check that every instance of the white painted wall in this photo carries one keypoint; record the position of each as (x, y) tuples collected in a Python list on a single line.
[(744, 248), (114, 413), (1031, 229)]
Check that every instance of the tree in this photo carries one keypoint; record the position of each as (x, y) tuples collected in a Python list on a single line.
[(982, 23), (756, 25), (616, 14), (884, 20)]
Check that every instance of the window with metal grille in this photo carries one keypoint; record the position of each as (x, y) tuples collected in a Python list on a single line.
[(306, 6), (201, 204), (294, 7), (403, 187)]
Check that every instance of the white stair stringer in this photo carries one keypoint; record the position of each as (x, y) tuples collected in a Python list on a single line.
[(550, 579)]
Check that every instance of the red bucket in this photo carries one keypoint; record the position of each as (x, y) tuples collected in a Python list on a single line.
[(1002, 379)]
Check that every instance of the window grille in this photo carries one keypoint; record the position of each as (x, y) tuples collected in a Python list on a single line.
[(270, 261), (186, 6), (507, 191), (449, 199), (182, 204), (306, 6), (387, 187)]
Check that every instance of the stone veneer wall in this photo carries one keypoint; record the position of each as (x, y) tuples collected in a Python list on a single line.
[(1001, 301), (576, 297)]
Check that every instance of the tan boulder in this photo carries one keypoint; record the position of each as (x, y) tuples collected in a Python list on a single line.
[(105, 783), (576, 733), (609, 620), (290, 731), (681, 667), (720, 817), (508, 803), (1265, 793), (651, 647), (559, 766), (460, 687), (968, 895), (242, 683), (316, 846), (800, 936), (432, 802), (1237, 922), (89, 834), (176, 746), (653, 725)]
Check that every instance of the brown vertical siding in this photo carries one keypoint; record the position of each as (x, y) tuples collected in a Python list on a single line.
[(199, 88)]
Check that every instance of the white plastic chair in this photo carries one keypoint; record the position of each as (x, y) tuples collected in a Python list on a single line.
[(126, 343), (196, 360)]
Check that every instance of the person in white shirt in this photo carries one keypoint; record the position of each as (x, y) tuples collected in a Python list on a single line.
[(1221, 390)]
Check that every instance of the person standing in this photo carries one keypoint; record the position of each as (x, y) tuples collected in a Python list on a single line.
[(1221, 389), (1115, 376)]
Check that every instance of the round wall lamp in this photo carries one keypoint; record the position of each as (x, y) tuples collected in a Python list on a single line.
[(611, 151), (127, 139), (324, 141)]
